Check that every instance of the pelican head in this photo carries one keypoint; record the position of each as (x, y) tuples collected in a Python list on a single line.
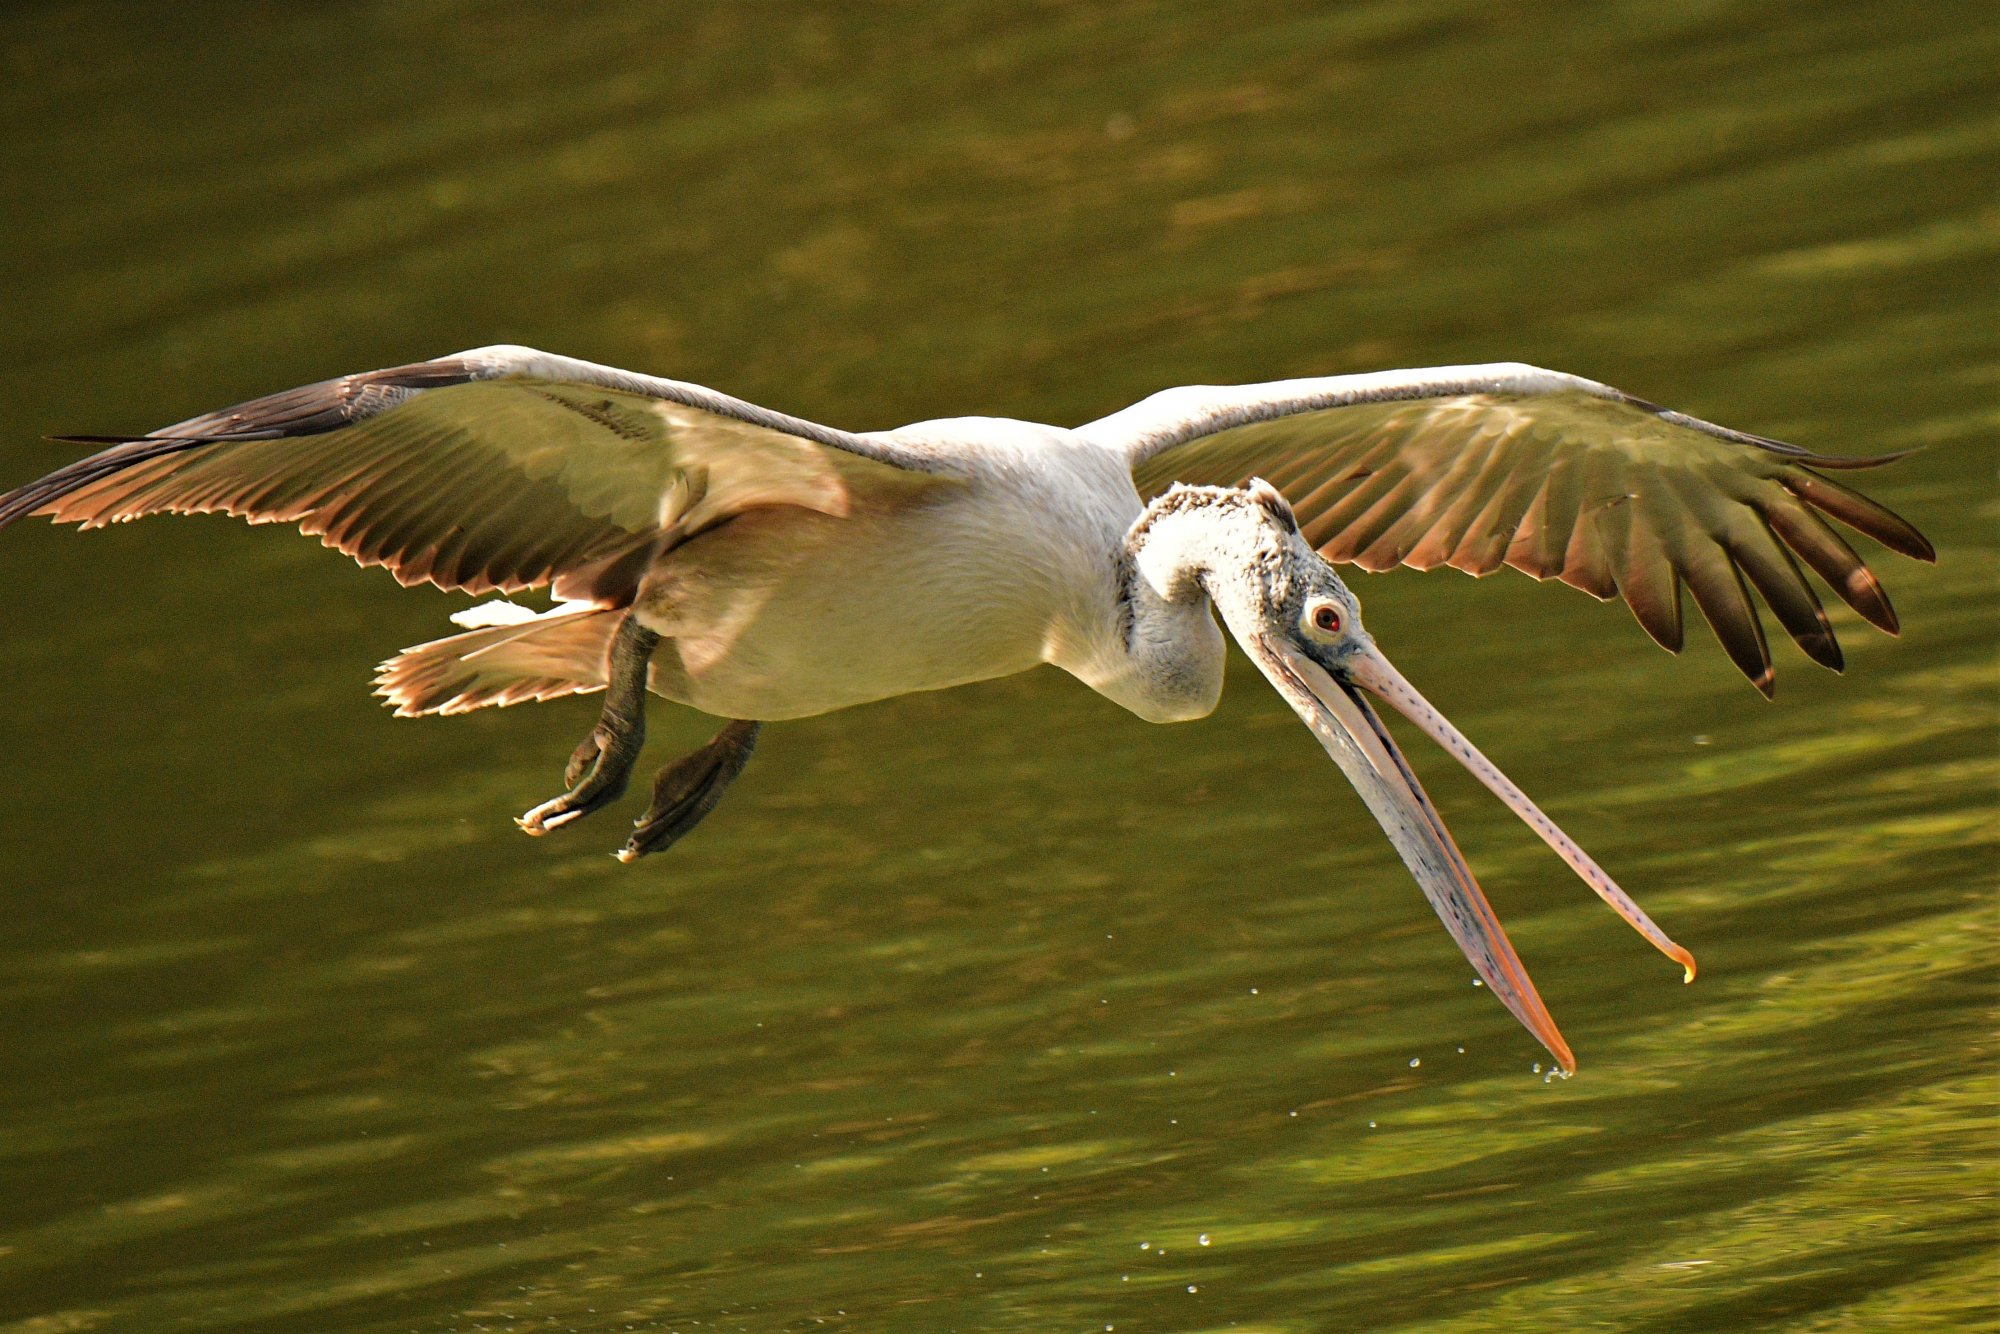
[(1301, 625)]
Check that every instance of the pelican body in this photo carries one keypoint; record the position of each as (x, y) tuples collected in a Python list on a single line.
[(759, 567), (782, 613)]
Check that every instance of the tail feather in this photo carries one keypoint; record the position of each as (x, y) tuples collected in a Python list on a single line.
[(544, 658)]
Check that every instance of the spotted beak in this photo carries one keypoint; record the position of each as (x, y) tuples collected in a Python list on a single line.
[(1336, 705)]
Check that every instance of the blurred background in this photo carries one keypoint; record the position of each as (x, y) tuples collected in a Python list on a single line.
[(994, 1009)]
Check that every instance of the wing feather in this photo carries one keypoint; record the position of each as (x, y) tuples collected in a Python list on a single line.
[(1861, 514), (1544, 534), (1557, 476), (1648, 581), (1388, 504), (1590, 560), (1484, 547), (501, 469), (1771, 570), (1427, 510), (1829, 556), (1468, 501), (1466, 494), (1724, 600)]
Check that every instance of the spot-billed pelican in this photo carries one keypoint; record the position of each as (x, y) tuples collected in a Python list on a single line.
[(758, 567)]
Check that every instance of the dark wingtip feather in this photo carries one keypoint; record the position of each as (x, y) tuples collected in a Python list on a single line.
[(1822, 549), (149, 439), (1796, 453), (1823, 649), (1850, 462), (1888, 623), (1661, 620), (1863, 515), (47, 490), (1724, 599)]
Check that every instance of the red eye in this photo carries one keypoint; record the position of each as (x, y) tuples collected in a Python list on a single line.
[(1327, 621)]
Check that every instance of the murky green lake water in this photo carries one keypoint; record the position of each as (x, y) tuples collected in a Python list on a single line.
[(995, 1009)]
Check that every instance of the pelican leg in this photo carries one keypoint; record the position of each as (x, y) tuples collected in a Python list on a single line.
[(600, 768), (689, 788)]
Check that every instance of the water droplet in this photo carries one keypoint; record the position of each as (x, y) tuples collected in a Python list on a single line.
[(1203, 1239)]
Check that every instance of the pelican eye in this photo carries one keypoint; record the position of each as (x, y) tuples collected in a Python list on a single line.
[(1326, 618)]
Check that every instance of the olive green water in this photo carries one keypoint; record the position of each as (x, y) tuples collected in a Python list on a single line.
[(995, 1010)]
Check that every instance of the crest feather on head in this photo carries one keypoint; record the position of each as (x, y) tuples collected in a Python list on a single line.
[(1274, 503)]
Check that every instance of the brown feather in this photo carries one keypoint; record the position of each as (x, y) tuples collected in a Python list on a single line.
[(1775, 575), (472, 475), (1543, 537), (1426, 508), (1347, 519), (1724, 600), (1483, 549), (1488, 476), (1828, 555), (1860, 513), (1589, 562), (500, 665), (1648, 581)]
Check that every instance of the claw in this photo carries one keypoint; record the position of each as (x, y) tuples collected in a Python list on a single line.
[(553, 814), (602, 783)]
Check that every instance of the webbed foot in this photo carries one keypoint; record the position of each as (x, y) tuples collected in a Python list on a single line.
[(599, 768), (689, 788), (597, 775)]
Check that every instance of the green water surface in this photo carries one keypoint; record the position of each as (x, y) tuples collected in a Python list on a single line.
[(994, 1010)]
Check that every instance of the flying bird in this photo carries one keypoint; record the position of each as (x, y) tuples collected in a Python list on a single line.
[(758, 567)]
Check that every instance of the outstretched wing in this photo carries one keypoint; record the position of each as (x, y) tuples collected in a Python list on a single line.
[(1482, 466), (496, 469)]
